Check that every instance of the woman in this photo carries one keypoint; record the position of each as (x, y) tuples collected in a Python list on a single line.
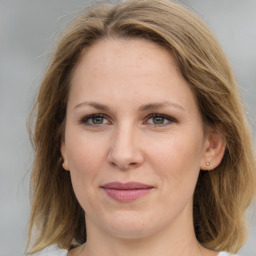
[(141, 142)]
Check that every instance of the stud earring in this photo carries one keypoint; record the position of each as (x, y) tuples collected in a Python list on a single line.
[(208, 163)]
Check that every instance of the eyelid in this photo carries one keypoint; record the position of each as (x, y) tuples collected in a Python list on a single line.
[(84, 119), (167, 117)]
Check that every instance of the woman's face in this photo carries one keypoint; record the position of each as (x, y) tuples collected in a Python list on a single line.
[(134, 139)]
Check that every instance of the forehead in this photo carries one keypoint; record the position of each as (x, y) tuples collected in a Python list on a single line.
[(136, 68), (124, 55)]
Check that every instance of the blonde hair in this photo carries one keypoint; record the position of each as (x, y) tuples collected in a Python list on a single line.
[(221, 197)]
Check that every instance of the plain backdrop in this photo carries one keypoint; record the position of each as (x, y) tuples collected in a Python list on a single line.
[(28, 29)]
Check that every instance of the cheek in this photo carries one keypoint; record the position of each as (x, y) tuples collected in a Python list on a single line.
[(85, 156), (85, 161), (177, 160), (85, 153)]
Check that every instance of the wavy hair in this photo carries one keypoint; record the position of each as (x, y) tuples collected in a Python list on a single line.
[(221, 197)]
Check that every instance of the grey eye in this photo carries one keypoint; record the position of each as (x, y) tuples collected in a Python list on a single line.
[(158, 120), (97, 120), (94, 119)]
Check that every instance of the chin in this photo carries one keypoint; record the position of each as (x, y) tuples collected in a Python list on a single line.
[(132, 226)]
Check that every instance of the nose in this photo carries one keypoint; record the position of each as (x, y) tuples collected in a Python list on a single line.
[(125, 150)]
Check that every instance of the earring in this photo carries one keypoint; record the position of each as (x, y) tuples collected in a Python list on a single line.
[(208, 164)]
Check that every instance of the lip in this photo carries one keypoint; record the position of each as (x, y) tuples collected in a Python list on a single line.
[(126, 192)]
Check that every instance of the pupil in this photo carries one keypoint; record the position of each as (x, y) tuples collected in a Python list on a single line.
[(158, 120), (97, 120)]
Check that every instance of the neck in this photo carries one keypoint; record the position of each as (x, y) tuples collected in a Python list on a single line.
[(147, 246), (178, 239)]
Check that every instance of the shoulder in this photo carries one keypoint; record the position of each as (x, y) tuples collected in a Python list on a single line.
[(226, 254), (52, 250)]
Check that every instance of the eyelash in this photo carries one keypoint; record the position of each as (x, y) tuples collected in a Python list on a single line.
[(165, 117), (85, 119)]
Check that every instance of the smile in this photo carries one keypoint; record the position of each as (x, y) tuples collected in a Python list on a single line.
[(126, 192)]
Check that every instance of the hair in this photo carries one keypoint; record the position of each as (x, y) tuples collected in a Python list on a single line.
[(221, 197)]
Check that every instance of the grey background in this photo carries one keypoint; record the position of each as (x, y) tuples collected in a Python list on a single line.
[(28, 29)]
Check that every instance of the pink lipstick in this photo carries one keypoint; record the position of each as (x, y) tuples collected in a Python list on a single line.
[(125, 192)]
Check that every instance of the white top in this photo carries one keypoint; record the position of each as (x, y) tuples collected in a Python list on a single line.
[(54, 250)]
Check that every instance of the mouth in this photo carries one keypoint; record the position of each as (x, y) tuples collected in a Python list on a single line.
[(126, 192)]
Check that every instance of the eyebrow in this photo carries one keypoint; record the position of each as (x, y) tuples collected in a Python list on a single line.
[(93, 104), (157, 105), (142, 108)]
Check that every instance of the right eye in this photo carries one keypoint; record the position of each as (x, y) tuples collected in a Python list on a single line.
[(94, 120)]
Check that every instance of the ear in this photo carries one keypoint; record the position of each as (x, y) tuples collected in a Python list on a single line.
[(64, 156), (215, 145)]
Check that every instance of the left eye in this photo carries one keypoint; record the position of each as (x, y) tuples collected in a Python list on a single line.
[(95, 119), (159, 119)]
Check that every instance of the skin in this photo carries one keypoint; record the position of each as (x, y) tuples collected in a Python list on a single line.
[(127, 144)]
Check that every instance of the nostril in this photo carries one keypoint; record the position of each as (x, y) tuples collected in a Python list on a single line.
[(124, 166), (124, 155)]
